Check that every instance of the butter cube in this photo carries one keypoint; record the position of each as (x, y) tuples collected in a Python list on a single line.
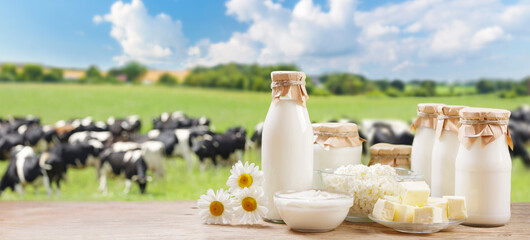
[(384, 210), (394, 199), (410, 213), (456, 207), (414, 193), (441, 203), (427, 214), (400, 212)]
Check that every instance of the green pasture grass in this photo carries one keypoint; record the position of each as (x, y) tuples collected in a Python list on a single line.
[(53, 102)]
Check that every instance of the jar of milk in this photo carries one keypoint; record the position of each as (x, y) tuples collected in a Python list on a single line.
[(444, 151), (390, 154), (287, 140), (483, 165), (335, 145), (425, 125)]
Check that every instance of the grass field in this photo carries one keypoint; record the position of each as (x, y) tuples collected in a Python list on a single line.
[(224, 108)]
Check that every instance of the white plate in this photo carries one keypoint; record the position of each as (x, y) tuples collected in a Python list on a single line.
[(417, 227)]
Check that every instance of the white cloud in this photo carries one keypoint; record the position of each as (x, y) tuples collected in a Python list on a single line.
[(143, 37), (409, 35), (97, 19)]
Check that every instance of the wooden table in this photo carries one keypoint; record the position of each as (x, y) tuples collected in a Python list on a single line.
[(179, 220)]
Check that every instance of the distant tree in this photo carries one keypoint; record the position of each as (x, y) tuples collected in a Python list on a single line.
[(382, 84), (10, 68), (55, 75), (93, 72), (345, 83), (134, 71), (398, 84), (485, 86), (6, 77), (167, 79), (32, 72), (429, 86)]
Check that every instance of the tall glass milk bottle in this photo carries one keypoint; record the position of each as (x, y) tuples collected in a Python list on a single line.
[(483, 165), (287, 140), (420, 157), (444, 151)]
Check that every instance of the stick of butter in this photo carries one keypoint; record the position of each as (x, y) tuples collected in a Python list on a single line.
[(427, 214), (414, 193), (456, 207), (400, 213), (441, 203), (384, 210)]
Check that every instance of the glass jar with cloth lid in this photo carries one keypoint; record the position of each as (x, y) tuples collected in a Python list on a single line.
[(483, 165), (425, 125), (287, 140), (390, 154)]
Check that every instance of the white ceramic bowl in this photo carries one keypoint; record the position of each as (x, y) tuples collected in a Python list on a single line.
[(313, 214)]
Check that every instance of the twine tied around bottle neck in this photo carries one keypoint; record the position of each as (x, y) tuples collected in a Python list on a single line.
[(474, 122), (331, 134), (286, 83)]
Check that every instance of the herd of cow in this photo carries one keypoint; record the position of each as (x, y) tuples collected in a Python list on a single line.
[(41, 154)]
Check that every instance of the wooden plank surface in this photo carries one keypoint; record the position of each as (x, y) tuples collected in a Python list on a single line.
[(179, 220)]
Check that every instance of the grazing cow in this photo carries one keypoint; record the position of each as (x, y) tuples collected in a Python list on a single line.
[(228, 146), (383, 133), (88, 135), (7, 142), (178, 120), (152, 152), (127, 127), (24, 169), (520, 135), (79, 155), (392, 131), (521, 114), (255, 139), (130, 163)]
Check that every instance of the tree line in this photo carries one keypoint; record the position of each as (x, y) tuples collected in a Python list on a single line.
[(254, 77)]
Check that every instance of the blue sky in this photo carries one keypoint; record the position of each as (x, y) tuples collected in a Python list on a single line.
[(446, 40)]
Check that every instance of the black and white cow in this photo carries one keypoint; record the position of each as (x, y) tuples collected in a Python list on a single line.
[(387, 131), (26, 168), (129, 163), (178, 120), (153, 153), (79, 155), (126, 127), (229, 147), (255, 139), (7, 142)]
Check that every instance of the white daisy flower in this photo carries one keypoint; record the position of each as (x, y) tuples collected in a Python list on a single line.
[(249, 205), (244, 176), (215, 208)]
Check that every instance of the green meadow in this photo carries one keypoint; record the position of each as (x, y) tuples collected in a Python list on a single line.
[(53, 102)]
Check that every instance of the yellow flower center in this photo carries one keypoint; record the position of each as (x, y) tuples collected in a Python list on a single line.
[(217, 208), (249, 204), (244, 180)]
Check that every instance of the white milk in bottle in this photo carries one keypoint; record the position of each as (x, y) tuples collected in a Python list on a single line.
[(483, 166), (444, 151), (425, 124), (335, 145), (287, 140)]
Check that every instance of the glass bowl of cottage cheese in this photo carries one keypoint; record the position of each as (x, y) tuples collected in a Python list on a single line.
[(366, 184)]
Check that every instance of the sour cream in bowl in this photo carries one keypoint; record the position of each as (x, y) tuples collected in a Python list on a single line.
[(313, 210)]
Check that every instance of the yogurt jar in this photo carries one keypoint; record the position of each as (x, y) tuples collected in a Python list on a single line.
[(444, 151), (483, 165), (335, 145), (425, 125), (313, 210), (390, 154)]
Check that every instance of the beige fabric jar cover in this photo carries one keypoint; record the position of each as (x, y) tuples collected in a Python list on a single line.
[(427, 116), (336, 135), (484, 124), (448, 119), (390, 154), (285, 82)]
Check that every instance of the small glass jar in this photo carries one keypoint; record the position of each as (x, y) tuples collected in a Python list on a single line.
[(390, 154), (425, 125), (336, 144), (483, 166)]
